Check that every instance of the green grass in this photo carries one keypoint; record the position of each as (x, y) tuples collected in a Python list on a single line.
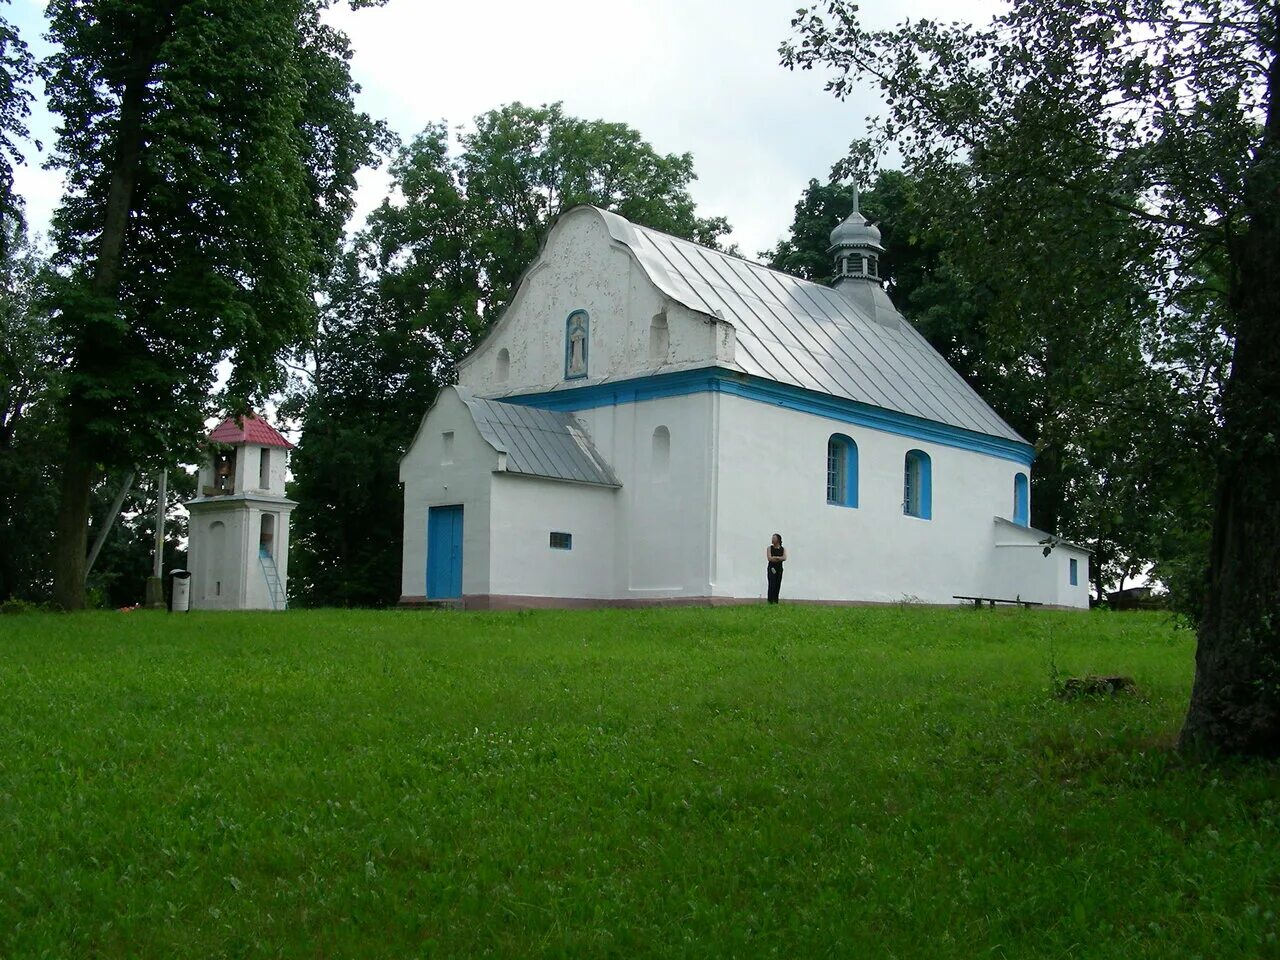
[(750, 782)]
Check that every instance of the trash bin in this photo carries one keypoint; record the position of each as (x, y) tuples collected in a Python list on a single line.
[(180, 597)]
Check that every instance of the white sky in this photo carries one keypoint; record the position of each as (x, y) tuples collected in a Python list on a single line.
[(700, 76)]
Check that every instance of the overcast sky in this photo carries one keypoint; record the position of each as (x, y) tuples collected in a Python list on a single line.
[(691, 75)]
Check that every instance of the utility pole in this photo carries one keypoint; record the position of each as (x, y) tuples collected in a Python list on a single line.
[(155, 583)]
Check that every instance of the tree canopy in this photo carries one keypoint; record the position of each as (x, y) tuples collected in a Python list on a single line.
[(209, 151), (1148, 130)]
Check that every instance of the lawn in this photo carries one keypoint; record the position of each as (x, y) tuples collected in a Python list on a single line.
[(749, 782)]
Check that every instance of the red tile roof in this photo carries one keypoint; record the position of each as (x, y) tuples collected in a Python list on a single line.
[(252, 430)]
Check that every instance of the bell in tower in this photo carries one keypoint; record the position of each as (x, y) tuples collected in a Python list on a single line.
[(238, 548)]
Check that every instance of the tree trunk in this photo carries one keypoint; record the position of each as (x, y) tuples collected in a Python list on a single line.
[(1235, 702), (72, 534), (79, 461)]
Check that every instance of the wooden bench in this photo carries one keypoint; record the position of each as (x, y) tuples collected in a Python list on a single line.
[(992, 601)]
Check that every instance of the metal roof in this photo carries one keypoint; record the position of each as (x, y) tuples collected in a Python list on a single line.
[(539, 443), (793, 331)]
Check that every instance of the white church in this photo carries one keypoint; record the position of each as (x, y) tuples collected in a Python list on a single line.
[(647, 412)]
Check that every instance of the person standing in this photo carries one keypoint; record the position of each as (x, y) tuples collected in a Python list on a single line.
[(775, 556)]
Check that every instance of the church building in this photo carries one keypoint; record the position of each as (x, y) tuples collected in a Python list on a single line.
[(647, 412)]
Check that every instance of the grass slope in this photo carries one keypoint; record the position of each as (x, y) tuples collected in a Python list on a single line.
[(793, 782)]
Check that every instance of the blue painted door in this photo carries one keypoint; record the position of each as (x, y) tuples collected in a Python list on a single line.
[(444, 553)]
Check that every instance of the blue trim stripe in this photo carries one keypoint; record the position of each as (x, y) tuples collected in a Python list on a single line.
[(715, 380)]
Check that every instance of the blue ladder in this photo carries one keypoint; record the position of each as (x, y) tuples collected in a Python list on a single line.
[(278, 599)]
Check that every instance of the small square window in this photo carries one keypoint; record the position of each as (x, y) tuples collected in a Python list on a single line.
[(561, 541)]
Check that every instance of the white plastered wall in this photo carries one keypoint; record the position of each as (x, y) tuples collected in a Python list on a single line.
[(524, 512), (431, 478), (582, 267), (772, 478), (226, 571), (663, 516), (1018, 563)]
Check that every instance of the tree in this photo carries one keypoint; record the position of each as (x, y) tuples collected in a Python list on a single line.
[(1163, 118), (521, 166), (210, 151), (17, 70), (30, 429), (414, 293)]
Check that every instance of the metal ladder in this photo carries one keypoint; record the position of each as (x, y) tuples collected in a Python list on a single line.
[(278, 599)]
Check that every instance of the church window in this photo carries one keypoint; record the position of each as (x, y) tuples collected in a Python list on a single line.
[(659, 339), (857, 264), (446, 447), (264, 469), (661, 454), (576, 344), (561, 541), (503, 366), (917, 485), (1021, 500), (871, 267), (1075, 573), (842, 471)]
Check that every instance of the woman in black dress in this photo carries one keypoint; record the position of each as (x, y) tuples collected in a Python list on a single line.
[(775, 556)]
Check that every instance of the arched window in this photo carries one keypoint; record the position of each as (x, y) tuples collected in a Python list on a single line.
[(577, 330), (659, 339), (503, 369), (842, 471), (917, 485), (1021, 500), (660, 461)]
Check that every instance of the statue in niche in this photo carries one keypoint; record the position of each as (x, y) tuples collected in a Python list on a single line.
[(576, 355)]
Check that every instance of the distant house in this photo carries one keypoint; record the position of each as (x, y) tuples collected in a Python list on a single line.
[(648, 411)]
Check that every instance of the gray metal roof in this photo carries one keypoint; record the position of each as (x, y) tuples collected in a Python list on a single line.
[(792, 331), (539, 443)]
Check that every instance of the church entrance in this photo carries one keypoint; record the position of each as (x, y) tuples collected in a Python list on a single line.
[(444, 553)]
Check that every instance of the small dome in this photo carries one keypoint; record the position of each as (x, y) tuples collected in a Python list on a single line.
[(856, 231)]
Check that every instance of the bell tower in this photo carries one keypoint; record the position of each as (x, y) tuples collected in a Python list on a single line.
[(238, 548)]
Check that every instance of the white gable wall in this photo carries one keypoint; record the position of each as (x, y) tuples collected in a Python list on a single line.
[(429, 482), (582, 268)]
